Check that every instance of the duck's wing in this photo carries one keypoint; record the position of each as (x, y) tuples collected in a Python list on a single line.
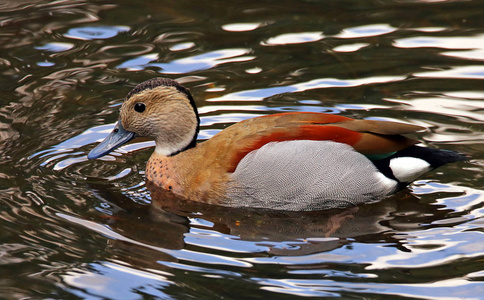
[(368, 137)]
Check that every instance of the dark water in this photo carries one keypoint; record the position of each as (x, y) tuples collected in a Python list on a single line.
[(72, 228)]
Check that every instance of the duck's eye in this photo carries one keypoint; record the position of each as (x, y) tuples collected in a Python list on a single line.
[(139, 107)]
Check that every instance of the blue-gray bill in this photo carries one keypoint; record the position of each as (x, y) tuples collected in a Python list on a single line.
[(116, 138)]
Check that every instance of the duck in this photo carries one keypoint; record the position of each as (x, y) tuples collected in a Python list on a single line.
[(293, 161)]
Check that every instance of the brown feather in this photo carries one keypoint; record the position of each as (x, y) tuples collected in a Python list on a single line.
[(380, 127)]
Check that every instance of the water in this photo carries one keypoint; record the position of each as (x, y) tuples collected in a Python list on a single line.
[(73, 228)]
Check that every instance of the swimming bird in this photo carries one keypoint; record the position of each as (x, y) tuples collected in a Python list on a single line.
[(285, 161)]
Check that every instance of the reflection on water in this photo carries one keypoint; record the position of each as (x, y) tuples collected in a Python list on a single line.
[(467, 47), (89, 229), (95, 33), (190, 64)]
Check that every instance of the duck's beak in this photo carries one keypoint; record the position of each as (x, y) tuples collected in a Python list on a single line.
[(116, 138)]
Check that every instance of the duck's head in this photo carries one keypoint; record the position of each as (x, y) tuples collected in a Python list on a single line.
[(160, 109)]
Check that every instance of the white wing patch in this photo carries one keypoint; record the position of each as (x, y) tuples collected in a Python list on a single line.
[(407, 169)]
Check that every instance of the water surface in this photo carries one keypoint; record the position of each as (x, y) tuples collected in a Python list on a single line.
[(73, 228)]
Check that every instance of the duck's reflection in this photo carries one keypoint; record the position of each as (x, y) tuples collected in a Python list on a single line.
[(169, 222)]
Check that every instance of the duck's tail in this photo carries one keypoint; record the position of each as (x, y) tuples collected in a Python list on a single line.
[(408, 164)]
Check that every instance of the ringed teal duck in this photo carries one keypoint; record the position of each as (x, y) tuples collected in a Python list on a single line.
[(285, 161)]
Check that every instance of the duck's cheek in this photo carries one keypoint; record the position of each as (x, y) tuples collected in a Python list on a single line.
[(145, 128)]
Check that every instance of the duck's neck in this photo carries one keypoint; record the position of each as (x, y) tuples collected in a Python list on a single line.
[(170, 149), (192, 144)]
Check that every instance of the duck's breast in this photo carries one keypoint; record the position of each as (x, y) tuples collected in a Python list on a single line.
[(306, 175)]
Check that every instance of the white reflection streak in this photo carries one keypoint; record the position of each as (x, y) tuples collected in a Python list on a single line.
[(467, 72), (182, 46), (471, 42), (471, 47), (294, 38), (350, 47), (385, 262), (240, 27), (125, 269), (366, 31), (56, 47)]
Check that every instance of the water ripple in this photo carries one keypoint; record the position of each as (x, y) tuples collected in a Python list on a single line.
[(443, 289), (464, 110), (183, 254), (260, 94), (95, 32), (470, 47), (189, 64), (467, 72), (55, 47), (109, 279)]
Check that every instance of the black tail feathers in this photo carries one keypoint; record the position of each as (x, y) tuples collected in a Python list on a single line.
[(434, 157)]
